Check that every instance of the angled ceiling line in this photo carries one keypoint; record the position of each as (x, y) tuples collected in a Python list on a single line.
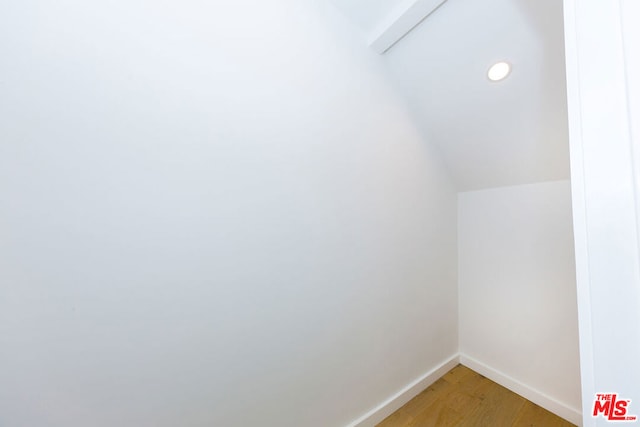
[(400, 24)]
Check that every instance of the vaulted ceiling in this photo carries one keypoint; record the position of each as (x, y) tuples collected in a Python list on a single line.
[(490, 134)]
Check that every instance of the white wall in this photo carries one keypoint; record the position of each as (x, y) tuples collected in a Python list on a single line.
[(518, 309), (212, 213)]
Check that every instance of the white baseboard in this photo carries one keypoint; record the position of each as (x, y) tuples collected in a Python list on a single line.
[(395, 402), (550, 404)]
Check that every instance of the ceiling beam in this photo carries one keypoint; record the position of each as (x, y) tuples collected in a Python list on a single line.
[(401, 23)]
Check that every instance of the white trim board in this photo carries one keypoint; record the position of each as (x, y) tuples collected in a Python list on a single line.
[(396, 401), (399, 24), (552, 405), (602, 100), (411, 390)]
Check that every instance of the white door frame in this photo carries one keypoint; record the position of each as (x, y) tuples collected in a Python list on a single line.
[(601, 44)]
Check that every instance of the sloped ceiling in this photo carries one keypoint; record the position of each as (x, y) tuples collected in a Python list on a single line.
[(490, 134), (368, 14)]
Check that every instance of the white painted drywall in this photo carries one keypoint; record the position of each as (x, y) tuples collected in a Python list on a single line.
[(604, 121), (368, 15), (514, 132), (518, 308), (212, 214)]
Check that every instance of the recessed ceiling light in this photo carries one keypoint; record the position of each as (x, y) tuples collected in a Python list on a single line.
[(499, 71)]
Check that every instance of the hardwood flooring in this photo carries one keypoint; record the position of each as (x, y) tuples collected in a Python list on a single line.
[(465, 398)]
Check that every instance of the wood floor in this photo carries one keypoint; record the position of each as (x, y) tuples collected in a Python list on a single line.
[(463, 397)]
